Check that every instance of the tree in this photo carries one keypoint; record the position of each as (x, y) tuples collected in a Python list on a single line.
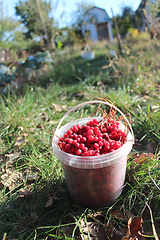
[(11, 33), (125, 21), (30, 17)]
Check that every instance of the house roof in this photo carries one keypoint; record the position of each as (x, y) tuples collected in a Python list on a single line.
[(98, 8)]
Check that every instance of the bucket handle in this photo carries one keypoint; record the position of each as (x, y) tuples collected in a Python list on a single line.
[(95, 101)]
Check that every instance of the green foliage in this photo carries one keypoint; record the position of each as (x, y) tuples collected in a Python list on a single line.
[(30, 17), (11, 34), (125, 21)]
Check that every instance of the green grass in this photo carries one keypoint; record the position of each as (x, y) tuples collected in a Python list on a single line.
[(29, 117)]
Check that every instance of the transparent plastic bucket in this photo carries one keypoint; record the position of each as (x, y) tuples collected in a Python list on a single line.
[(94, 181)]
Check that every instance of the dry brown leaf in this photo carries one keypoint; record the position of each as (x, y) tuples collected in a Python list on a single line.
[(19, 141), (97, 230), (50, 201), (34, 217), (32, 129), (12, 179), (24, 193), (20, 127), (151, 148), (12, 157), (93, 229), (135, 229), (25, 134), (143, 157), (59, 108), (32, 177)]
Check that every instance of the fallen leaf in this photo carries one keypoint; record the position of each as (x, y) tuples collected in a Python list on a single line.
[(24, 193), (59, 108), (25, 134), (50, 200), (34, 217), (151, 148), (49, 203), (12, 157), (20, 127), (12, 179), (32, 129), (32, 177), (95, 229), (135, 229), (19, 141), (143, 157)]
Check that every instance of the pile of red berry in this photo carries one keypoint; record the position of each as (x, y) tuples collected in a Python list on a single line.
[(94, 138)]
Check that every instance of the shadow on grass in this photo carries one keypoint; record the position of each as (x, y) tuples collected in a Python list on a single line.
[(27, 217)]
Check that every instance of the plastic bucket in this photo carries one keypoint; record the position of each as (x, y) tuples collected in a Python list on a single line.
[(95, 181)]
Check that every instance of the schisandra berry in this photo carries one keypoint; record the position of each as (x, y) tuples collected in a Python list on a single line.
[(93, 138)]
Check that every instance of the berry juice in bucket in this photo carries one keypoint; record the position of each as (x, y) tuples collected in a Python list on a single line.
[(93, 154)]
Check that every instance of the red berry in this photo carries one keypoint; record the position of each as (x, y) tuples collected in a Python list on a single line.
[(78, 151), (96, 145), (83, 139), (73, 149), (90, 132), (95, 121), (95, 139), (69, 132), (100, 143), (91, 152), (90, 138), (75, 128), (77, 145), (68, 147), (96, 154), (85, 154)]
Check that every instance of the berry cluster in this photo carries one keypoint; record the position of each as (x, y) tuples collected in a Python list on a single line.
[(93, 139)]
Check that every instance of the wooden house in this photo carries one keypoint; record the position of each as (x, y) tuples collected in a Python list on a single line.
[(97, 24)]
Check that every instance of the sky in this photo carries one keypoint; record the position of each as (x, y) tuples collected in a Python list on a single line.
[(71, 5)]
